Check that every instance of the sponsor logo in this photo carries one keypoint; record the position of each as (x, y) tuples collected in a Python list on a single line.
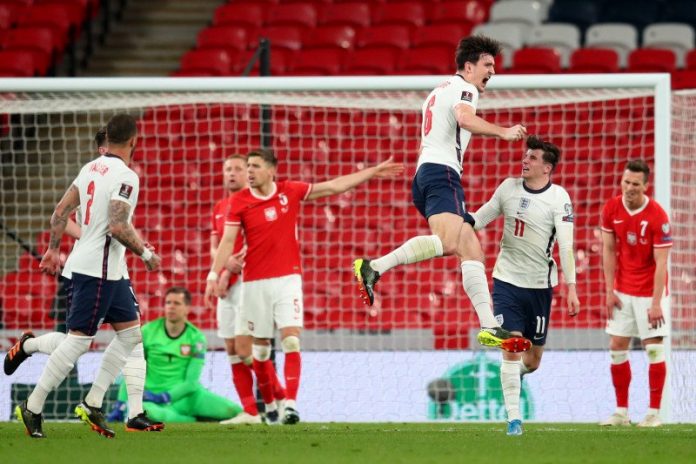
[(185, 350), (631, 238), (467, 96), (538, 338), (618, 221), (125, 191), (271, 214), (524, 203), (471, 391)]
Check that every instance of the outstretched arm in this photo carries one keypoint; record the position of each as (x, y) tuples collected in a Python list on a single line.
[(467, 119), (59, 221), (344, 183)]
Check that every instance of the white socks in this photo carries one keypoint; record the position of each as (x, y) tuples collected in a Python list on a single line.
[(60, 363), (415, 249), (113, 361), (476, 287), (46, 343), (512, 385), (134, 376)]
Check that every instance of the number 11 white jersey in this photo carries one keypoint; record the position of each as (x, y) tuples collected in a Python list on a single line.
[(97, 253), (534, 219), (442, 140)]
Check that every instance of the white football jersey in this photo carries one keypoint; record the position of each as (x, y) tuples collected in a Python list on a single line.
[(97, 253), (534, 219), (442, 140)]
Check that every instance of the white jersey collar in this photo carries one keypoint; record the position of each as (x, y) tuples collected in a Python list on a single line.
[(261, 197)]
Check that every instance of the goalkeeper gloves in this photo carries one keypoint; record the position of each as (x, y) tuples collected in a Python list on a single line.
[(157, 398), (118, 412)]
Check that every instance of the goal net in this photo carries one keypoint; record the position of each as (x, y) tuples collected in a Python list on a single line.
[(413, 356)]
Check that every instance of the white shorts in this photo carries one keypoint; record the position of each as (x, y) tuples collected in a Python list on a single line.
[(273, 301), (632, 319), (230, 316)]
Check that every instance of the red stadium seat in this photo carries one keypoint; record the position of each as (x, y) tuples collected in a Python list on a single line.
[(691, 60), (356, 15), (371, 61), (65, 20), (536, 60), (225, 37), (286, 37), (17, 64), (295, 15), (329, 37), (594, 60), (206, 63), (439, 35), (390, 36), (461, 13), (322, 62), (36, 40), (245, 15), (407, 14), (427, 60), (684, 79), (652, 60)]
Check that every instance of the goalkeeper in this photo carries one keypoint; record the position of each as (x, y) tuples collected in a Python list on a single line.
[(175, 354)]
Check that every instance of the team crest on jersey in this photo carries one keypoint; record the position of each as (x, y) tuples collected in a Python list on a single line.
[(467, 96), (125, 191), (185, 350), (524, 203), (631, 238), (271, 214), (569, 216), (500, 319)]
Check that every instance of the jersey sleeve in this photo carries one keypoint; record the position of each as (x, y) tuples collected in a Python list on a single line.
[(301, 189), (233, 216), (125, 187), (468, 95), (564, 220), (661, 230), (491, 209), (607, 224)]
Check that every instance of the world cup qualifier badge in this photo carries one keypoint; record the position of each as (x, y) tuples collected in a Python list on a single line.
[(125, 191), (467, 96)]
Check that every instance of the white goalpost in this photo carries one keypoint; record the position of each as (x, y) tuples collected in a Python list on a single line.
[(413, 356)]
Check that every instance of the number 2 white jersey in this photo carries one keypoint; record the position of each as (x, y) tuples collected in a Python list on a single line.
[(534, 219), (442, 140), (97, 253)]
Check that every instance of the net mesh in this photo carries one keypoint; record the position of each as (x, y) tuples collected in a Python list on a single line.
[(184, 137)]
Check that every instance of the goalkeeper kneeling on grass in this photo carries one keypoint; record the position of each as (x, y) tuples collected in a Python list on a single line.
[(175, 354)]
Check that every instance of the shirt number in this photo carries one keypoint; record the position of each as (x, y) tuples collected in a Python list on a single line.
[(428, 121), (519, 228), (90, 192)]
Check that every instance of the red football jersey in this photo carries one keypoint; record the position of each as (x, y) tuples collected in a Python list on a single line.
[(270, 227), (637, 233), (219, 214)]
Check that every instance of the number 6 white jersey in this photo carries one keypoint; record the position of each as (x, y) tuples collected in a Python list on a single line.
[(534, 219), (442, 140), (97, 253)]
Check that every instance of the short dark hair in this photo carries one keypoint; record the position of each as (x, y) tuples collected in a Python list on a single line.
[(180, 291), (100, 137), (639, 165), (550, 153), (267, 155), (121, 128), (471, 48)]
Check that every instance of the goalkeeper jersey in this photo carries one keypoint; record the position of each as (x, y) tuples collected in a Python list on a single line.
[(169, 359)]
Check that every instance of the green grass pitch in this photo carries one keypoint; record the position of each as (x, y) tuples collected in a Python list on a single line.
[(334, 443)]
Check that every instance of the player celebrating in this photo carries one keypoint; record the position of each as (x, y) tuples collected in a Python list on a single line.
[(637, 240), (271, 278), (537, 212), (106, 191), (449, 119), (232, 324)]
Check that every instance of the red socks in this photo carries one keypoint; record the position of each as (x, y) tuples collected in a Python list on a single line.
[(656, 379), (621, 377), (244, 384), (293, 367)]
